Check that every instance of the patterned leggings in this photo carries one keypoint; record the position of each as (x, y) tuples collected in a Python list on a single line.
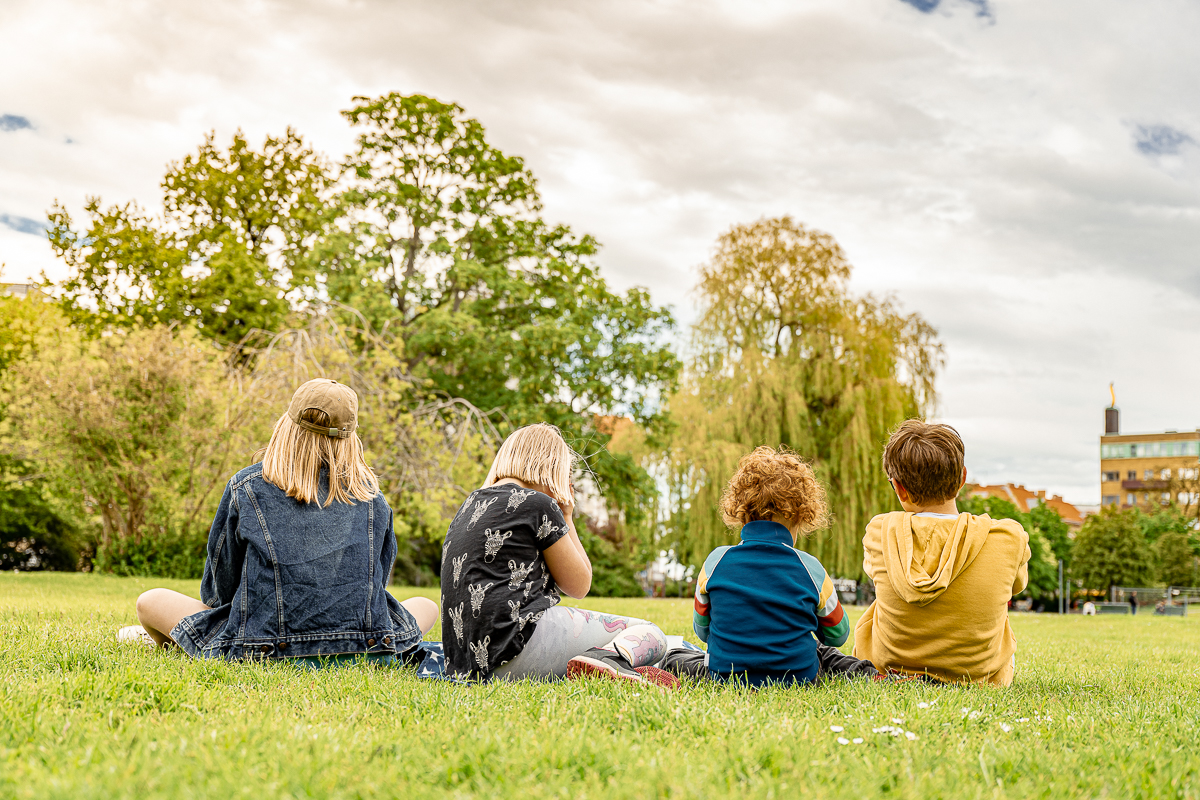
[(563, 633)]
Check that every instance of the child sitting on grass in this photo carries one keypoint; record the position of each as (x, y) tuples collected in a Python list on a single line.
[(769, 612), (942, 579), (298, 555)]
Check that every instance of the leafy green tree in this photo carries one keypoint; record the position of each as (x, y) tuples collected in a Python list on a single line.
[(143, 428), (1176, 559), (1049, 523), (492, 303), (230, 253), (1111, 550), (783, 353), (36, 530)]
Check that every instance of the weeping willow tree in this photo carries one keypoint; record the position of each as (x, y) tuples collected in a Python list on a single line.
[(783, 353)]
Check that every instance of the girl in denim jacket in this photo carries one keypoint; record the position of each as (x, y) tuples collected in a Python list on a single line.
[(298, 555)]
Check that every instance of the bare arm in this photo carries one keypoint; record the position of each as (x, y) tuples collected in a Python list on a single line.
[(568, 561)]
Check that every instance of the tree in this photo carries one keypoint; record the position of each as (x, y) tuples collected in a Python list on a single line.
[(229, 255), (429, 236), (1111, 550), (36, 530), (1049, 523), (144, 427), (1176, 559), (784, 354), (491, 303)]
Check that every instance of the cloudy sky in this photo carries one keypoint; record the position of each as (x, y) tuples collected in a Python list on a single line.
[(1024, 173)]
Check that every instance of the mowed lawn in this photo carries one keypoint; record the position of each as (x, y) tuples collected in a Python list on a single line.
[(1102, 707)]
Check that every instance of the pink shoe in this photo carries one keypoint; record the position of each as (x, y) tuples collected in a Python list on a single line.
[(604, 663), (658, 676)]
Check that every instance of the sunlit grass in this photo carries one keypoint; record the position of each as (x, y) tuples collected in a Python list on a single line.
[(1102, 707)]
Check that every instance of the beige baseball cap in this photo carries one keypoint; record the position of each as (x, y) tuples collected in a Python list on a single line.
[(336, 399)]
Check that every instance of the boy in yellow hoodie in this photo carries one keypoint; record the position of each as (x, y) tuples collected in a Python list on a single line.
[(942, 579)]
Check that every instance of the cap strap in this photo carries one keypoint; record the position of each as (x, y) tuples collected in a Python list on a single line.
[(337, 433)]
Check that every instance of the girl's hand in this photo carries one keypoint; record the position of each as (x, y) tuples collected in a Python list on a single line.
[(568, 506)]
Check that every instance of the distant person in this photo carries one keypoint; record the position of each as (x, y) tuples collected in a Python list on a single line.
[(1133, 604), (769, 612), (509, 551), (942, 579), (1089, 609), (298, 555)]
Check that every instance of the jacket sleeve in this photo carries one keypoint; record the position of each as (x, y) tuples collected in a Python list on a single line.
[(833, 626), (226, 552), (702, 607), (1022, 579)]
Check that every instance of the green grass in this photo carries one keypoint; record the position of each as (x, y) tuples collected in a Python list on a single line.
[(1102, 707)]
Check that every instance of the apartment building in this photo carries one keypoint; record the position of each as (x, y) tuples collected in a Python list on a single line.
[(1139, 469)]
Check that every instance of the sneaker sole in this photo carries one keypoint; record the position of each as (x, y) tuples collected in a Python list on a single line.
[(659, 677), (582, 666)]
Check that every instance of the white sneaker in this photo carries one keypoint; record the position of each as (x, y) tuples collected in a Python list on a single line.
[(134, 633)]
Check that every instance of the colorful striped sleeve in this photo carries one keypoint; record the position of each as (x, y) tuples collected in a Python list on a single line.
[(701, 608), (833, 627)]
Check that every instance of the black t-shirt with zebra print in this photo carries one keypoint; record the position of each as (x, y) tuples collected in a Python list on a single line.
[(495, 582)]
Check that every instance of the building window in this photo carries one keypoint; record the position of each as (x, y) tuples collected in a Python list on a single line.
[(1112, 476), (1110, 499), (1165, 474), (1151, 449), (1130, 500), (1147, 474), (1131, 475)]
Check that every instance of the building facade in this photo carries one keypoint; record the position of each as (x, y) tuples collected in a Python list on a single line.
[(1141, 469)]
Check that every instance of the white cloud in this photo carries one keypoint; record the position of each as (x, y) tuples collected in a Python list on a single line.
[(986, 170)]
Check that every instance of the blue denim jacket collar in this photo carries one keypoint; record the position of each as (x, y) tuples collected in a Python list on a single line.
[(763, 530)]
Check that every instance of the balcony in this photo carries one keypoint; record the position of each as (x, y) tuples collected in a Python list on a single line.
[(1146, 486)]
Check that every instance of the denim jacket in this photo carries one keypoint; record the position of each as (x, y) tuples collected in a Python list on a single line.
[(285, 578)]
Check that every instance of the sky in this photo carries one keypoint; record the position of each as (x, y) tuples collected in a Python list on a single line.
[(1024, 174)]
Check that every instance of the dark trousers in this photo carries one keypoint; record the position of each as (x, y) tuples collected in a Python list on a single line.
[(831, 663)]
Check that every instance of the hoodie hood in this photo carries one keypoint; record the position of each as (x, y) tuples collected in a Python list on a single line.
[(923, 555)]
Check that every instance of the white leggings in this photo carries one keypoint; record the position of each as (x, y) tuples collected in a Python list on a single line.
[(563, 633)]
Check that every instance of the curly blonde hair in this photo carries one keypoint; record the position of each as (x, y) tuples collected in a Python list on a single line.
[(774, 484)]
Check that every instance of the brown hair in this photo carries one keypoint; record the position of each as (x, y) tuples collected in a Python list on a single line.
[(292, 460), (927, 460), (772, 483)]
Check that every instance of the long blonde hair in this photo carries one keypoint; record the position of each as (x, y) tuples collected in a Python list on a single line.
[(535, 454), (292, 460)]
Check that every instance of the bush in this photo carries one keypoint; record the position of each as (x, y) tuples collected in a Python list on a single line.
[(35, 534), (612, 573), (164, 555)]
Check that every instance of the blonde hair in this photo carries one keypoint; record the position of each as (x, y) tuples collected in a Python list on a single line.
[(535, 454), (292, 460)]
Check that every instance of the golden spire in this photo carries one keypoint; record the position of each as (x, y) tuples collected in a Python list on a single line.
[(1112, 394)]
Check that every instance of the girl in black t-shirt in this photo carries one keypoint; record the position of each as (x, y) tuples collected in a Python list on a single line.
[(509, 551)]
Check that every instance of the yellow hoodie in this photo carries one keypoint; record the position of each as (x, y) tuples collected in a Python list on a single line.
[(942, 588)]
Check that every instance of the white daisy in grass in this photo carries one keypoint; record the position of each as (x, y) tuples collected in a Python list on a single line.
[(857, 740), (843, 740), (1005, 728), (836, 728), (912, 737)]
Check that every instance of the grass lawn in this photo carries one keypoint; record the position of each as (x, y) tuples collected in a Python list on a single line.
[(1102, 707)]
